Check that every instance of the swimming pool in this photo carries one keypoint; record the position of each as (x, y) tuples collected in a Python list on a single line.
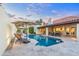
[(45, 40)]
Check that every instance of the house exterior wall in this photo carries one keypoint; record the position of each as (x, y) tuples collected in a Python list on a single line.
[(64, 29), (36, 29), (5, 30), (68, 30), (42, 30), (50, 29)]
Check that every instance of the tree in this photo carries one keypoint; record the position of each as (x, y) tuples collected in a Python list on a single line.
[(39, 22)]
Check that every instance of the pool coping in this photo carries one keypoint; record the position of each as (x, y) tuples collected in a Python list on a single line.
[(59, 37)]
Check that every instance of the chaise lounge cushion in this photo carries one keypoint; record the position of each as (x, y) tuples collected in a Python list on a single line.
[(25, 41)]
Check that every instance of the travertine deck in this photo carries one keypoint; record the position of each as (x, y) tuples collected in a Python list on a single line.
[(67, 48)]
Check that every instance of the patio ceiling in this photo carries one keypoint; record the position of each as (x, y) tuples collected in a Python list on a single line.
[(25, 22), (22, 23)]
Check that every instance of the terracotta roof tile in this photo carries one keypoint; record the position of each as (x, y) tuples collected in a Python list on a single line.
[(68, 19)]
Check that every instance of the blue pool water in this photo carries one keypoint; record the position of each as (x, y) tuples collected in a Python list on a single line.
[(44, 40)]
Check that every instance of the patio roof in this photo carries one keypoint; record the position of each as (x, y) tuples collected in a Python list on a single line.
[(25, 22), (62, 21)]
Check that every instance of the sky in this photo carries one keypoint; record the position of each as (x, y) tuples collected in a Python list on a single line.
[(36, 11)]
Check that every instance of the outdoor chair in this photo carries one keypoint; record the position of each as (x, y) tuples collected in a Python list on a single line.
[(57, 34), (53, 34), (20, 39)]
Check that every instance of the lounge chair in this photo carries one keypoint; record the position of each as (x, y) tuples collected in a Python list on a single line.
[(57, 34), (20, 39)]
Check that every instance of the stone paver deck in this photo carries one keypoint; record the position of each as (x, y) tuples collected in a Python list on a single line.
[(67, 48)]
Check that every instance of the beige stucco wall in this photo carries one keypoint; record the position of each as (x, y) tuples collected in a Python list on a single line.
[(5, 30)]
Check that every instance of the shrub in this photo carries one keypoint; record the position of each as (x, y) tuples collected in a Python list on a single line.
[(18, 30), (31, 30)]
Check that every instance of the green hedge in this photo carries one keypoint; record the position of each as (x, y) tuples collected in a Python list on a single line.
[(31, 30), (18, 30)]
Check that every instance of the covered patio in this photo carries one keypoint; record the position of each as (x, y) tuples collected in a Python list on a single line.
[(67, 27), (22, 25)]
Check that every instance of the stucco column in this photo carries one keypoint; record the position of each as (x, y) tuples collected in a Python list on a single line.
[(46, 31), (64, 33), (27, 29), (77, 32), (14, 29)]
